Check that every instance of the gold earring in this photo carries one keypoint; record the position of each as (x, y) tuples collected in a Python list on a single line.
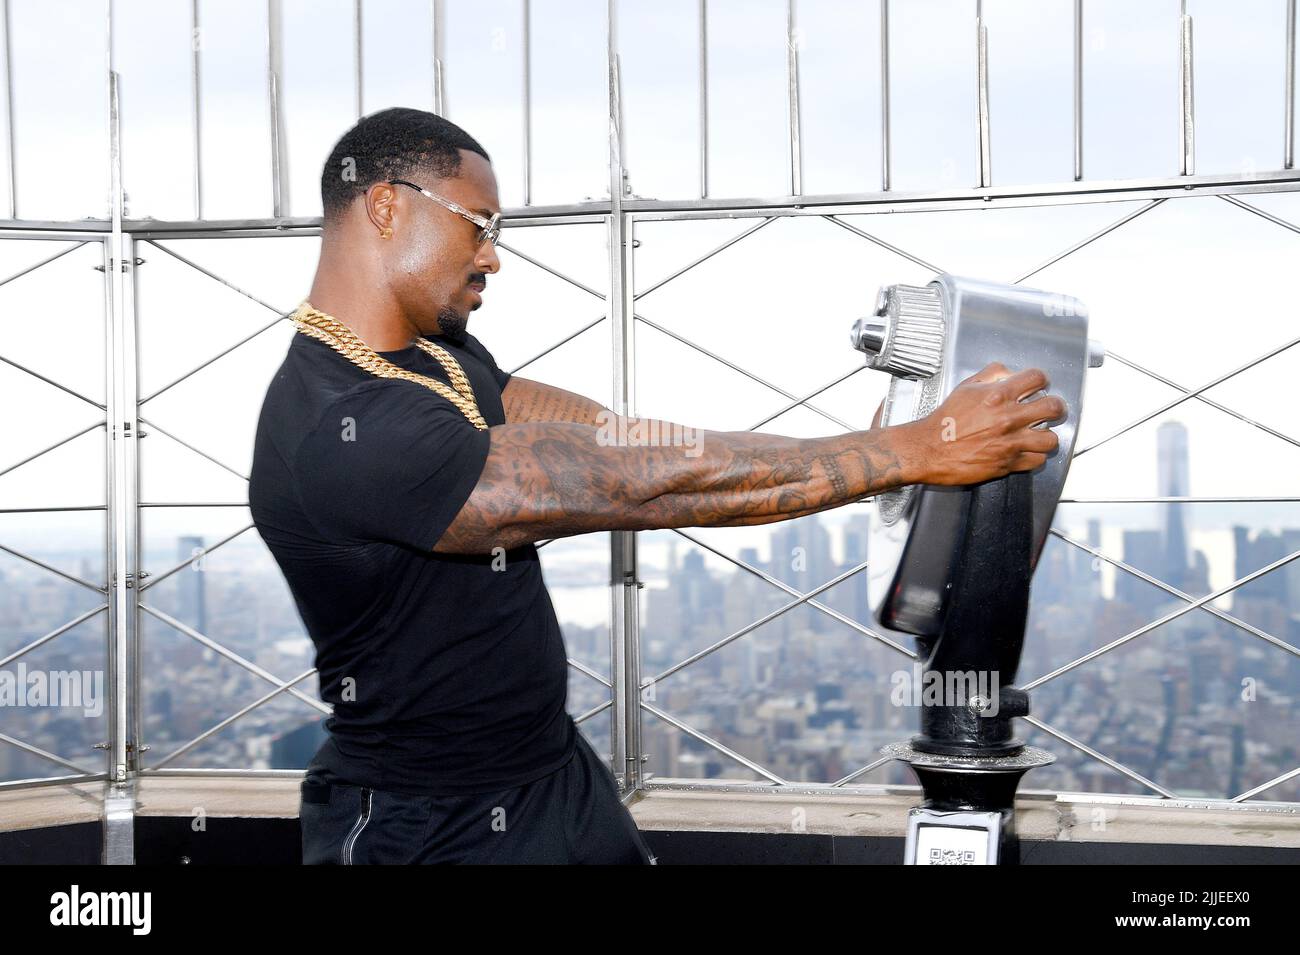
[(386, 233)]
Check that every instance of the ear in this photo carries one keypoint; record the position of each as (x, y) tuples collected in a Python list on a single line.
[(381, 206)]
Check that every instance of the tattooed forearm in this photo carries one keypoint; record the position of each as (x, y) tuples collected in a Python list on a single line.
[(527, 401), (556, 479)]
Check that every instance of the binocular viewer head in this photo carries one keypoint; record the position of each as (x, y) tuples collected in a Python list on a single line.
[(929, 339)]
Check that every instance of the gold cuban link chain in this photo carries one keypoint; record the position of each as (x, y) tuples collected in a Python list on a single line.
[(326, 328)]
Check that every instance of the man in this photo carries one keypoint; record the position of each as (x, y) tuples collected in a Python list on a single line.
[(400, 479)]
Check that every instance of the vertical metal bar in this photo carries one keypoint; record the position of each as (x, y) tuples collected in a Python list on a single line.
[(195, 115), (9, 109), (528, 106), (131, 406), (279, 179), (1289, 159), (885, 145), (356, 51), (982, 104), (704, 98), (792, 78), (118, 836), (439, 96), (1078, 90), (625, 671), (119, 603), (1185, 90)]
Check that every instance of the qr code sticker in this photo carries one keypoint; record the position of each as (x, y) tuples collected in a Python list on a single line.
[(951, 857)]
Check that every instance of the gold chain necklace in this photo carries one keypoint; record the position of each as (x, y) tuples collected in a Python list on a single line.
[(326, 328)]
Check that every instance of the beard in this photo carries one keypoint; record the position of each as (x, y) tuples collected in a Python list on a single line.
[(451, 324)]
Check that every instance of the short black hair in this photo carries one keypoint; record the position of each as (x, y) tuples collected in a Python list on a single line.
[(391, 144)]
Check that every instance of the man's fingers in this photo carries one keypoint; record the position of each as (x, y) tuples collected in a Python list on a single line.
[(1025, 382), (993, 371), (1041, 442), (1046, 408)]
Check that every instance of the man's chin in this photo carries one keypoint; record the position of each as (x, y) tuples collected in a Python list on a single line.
[(452, 325)]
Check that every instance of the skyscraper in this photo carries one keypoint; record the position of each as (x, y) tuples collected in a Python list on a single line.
[(1172, 480), (191, 600)]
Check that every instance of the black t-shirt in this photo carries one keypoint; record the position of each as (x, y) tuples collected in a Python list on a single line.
[(447, 673)]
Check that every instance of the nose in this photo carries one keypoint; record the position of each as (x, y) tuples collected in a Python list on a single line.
[(486, 259)]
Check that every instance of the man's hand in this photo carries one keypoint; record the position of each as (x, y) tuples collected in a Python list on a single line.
[(983, 430)]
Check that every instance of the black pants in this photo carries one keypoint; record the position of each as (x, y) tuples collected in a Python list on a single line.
[(574, 815)]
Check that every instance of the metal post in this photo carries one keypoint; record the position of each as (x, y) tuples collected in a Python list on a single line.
[(528, 106), (982, 103), (1185, 90), (1289, 158), (279, 179), (1078, 90), (439, 103), (195, 114), (9, 109), (118, 806), (885, 149), (704, 98), (356, 54), (625, 669), (792, 79), (129, 320)]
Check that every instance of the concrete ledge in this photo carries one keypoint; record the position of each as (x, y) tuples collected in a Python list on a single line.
[(686, 805), (1044, 816)]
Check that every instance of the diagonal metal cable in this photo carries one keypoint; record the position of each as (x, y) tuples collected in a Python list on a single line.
[(1174, 614), (781, 585), (1083, 243), (54, 384), (37, 751), (1100, 757), (1188, 395), (556, 272), (217, 357), (1202, 398), (710, 741), (62, 628), (1262, 787), (230, 719), (766, 618), (594, 711), (583, 668), (1256, 210), (812, 394), (1106, 230), (203, 552), (863, 771), (46, 261), (215, 277), (235, 658), (54, 570), (862, 233), (550, 348), (204, 454), (1174, 591), (734, 367), (57, 444), (705, 257)]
